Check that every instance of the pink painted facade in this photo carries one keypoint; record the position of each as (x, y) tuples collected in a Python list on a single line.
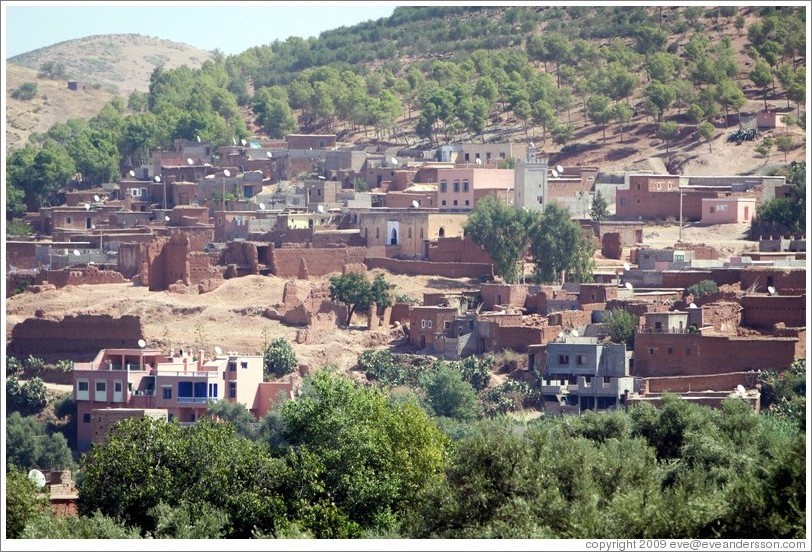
[(726, 210), (184, 386), (460, 188)]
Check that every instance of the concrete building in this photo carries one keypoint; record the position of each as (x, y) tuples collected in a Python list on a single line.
[(581, 372), (531, 181), (727, 210), (458, 189), (148, 379), (390, 232)]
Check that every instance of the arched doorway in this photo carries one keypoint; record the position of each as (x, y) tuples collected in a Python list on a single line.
[(442, 232), (394, 238)]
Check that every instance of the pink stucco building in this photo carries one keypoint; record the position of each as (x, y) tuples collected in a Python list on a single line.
[(461, 188), (726, 210), (148, 379)]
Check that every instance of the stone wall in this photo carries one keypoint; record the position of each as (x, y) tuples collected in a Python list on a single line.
[(81, 333)]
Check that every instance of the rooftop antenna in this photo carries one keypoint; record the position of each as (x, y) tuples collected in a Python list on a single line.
[(415, 204), (132, 173), (218, 351), (96, 198), (560, 169), (627, 266), (142, 343), (190, 161), (243, 142), (37, 478), (629, 286), (261, 206)]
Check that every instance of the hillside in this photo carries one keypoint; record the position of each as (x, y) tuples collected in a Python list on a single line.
[(110, 64)]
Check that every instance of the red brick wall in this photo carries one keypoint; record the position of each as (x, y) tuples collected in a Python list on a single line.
[(403, 200), (319, 261), (596, 293), (709, 354), (400, 313), (20, 255), (762, 311), (457, 250), (714, 382), (517, 338), (570, 318), (786, 281), (437, 316), (503, 294), (83, 333), (683, 278), (447, 270), (660, 205), (86, 276)]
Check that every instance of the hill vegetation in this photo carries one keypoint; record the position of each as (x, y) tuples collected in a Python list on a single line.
[(571, 78)]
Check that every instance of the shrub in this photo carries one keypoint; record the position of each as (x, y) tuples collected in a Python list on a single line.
[(705, 287), (279, 359), (622, 325), (25, 91)]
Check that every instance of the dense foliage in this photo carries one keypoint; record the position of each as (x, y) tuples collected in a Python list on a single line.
[(357, 292), (30, 445), (783, 215), (279, 359), (622, 326)]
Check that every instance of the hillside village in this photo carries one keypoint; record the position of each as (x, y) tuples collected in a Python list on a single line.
[(115, 283)]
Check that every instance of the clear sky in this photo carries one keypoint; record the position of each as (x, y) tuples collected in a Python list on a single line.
[(233, 27)]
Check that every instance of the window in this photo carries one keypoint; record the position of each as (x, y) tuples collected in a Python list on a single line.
[(622, 201), (638, 187), (488, 156), (82, 390), (607, 380), (410, 232), (423, 324), (455, 202), (670, 350), (442, 203), (679, 258), (135, 192), (101, 386), (443, 186), (101, 391), (232, 366), (86, 418), (580, 360), (244, 364), (213, 390), (447, 324), (421, 233), (468, 156), (711, 209), (167, 393), (658, 326), (377, 233), (68, 220), (464, 185), (456, 185), (563, 359), (688, 351), (651, 350), (88, 223), (467, 202), (501, 156), (429, 324), (232, 390)]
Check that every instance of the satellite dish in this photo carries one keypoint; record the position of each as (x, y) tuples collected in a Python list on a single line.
[(320, 208), (771, 290), (629, 286), (37, 478), (395, 161), (478, 161), (226, 172), (132, 173), (560, 169), (234, 141), (87, 206), (268, 154), (166, 218), (76, 253), (210, 176), (142, 343), (190, 161), (96, 198), (218, 351), (555, 173), (262, 206), (532, 145), (627, 266), (198, 138), (157, 178), (740, 389), (415, 204), (574, 333), (692, 306), (243, 142)]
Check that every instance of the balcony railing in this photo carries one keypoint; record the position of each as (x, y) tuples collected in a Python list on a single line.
[(196, 400), (663, 331)]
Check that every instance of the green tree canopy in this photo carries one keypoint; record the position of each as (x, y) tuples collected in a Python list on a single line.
[(357, 292), (560, 246)]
